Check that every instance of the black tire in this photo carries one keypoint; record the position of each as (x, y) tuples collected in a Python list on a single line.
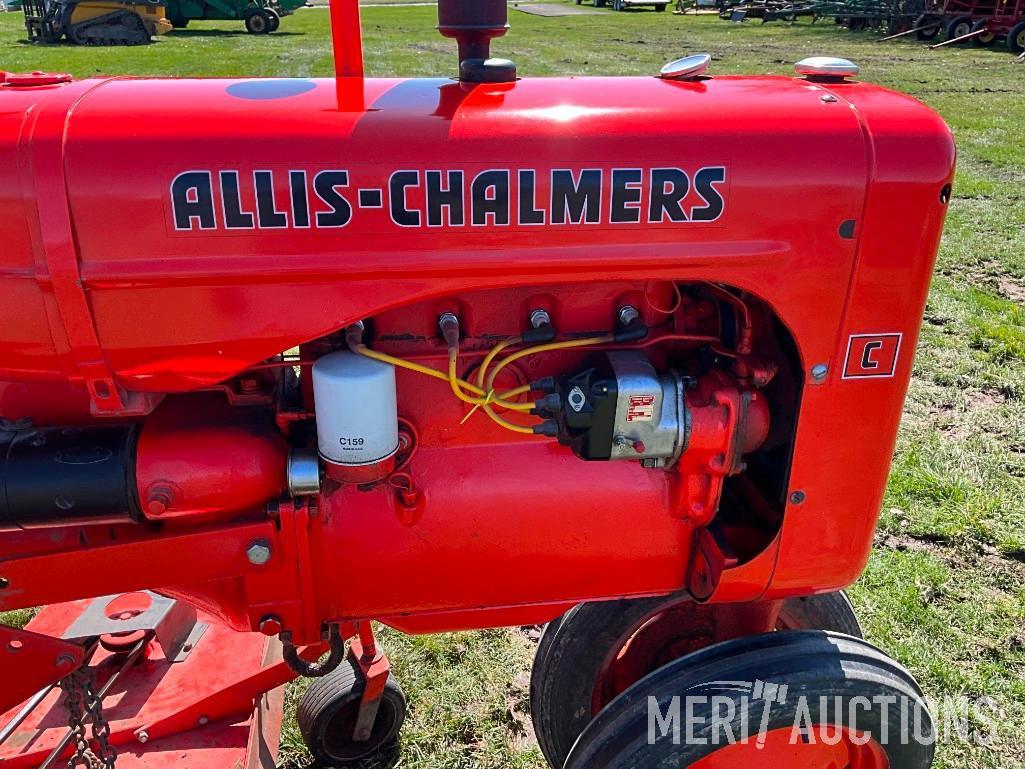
[(256, 23), (819, 669), (958, 27), (179, 23), (928, 27), (985, 40), (327, 716), (575, 648), (273, 19), (1016, 38)]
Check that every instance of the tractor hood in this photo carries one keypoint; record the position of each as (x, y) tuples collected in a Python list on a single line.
[(218, 222)]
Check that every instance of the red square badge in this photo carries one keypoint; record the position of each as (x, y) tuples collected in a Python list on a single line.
[(871, 356)]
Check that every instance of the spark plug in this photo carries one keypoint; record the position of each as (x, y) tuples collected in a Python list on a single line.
[(541, 328), (354, 334), (631, 325), (448, 324)]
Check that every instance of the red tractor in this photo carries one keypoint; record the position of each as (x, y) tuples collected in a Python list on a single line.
[(622, 355)]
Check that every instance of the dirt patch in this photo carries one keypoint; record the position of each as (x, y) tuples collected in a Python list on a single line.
[(956, 554), (985, 399), (1012, 289), (551, 9)]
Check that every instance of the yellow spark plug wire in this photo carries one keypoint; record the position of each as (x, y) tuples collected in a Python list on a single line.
[(568, 344), (482, 394), (362, 349)]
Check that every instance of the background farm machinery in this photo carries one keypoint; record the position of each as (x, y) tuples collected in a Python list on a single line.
[(890, 16), (983, 23), (136, 22)]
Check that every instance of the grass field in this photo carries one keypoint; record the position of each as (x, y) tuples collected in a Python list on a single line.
[(945, 589)]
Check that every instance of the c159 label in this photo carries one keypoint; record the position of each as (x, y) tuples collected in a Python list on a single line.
[(351, 443)]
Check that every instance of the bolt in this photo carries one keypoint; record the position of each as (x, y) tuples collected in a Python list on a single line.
[(142, 736), (186, 647), (158, 499), (819, 371), (797, 497), (627, 314), (539, 318), (203, 721), (64, 662), (15, 646), (828, 98), (4, 583), (270, 625), (258, 552)]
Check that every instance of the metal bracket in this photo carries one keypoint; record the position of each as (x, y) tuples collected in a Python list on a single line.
[(174, 623), (373, 662)]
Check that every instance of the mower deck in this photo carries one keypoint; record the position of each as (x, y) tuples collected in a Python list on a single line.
[(199, 708)]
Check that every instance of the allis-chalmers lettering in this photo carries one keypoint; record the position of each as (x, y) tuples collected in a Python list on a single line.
[(331, 198)]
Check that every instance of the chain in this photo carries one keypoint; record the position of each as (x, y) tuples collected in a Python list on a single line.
[(84, 707)]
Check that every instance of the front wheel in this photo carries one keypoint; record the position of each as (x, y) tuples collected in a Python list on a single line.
[(597, 650), (273, 19), (329, 709), (795, 700)]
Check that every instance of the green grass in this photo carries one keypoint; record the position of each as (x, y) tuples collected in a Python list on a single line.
[(945, 589)]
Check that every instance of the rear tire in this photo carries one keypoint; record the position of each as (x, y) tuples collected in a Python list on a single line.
[(985, 40), (928, 27), (836, 680), (1016, 38), (327, 716), (256, 23), (958, 27), (568, 681)]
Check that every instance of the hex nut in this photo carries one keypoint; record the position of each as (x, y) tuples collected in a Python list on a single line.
[(258, 552)]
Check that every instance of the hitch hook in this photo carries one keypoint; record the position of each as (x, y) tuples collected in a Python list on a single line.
[(314, 669)]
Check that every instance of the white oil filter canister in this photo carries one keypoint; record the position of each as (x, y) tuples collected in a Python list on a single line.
[(357, 416)]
